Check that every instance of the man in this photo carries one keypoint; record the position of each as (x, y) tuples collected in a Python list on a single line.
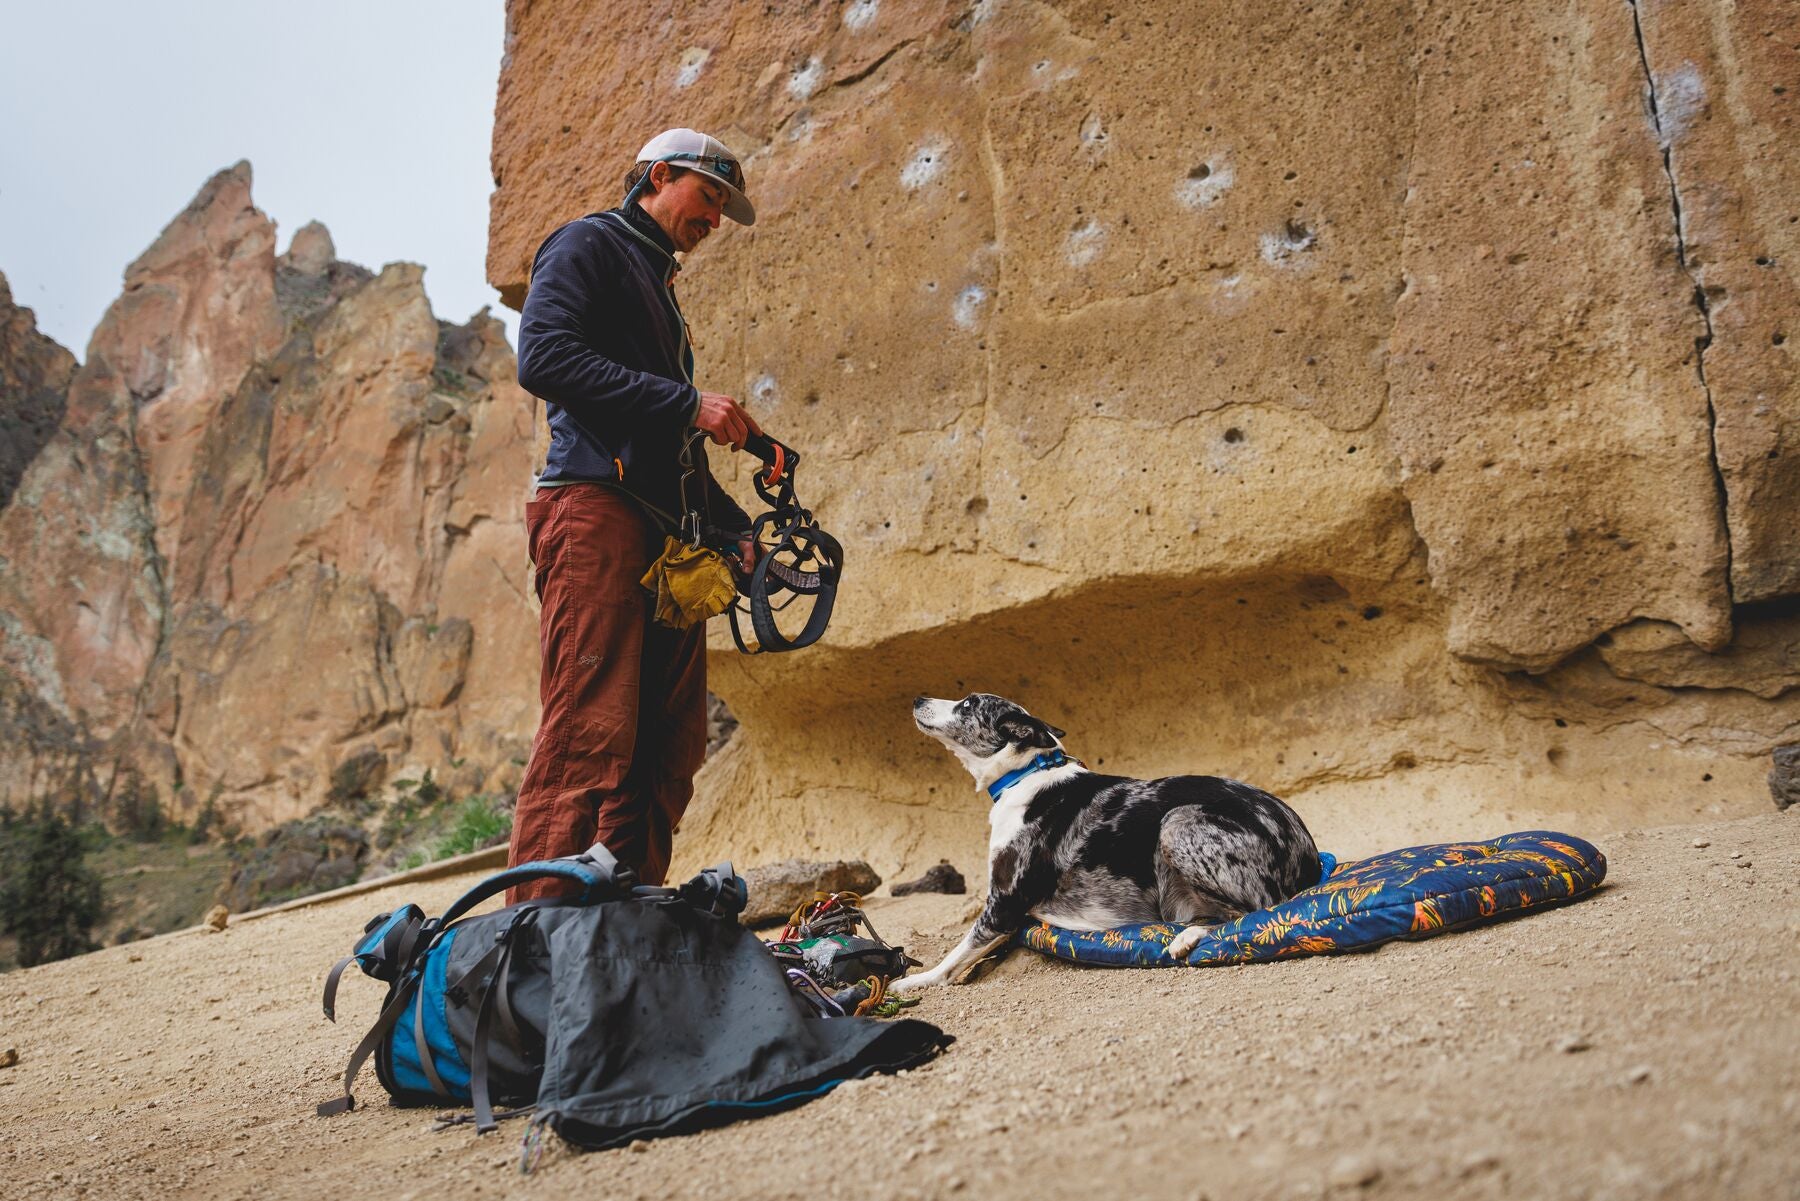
[(603, 344)]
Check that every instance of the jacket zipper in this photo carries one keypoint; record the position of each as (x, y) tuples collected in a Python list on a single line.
[(686, 355)]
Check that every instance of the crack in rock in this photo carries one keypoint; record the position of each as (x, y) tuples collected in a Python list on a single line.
[(1669, 116)]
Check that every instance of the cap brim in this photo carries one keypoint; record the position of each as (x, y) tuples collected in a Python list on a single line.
[(737, 205)]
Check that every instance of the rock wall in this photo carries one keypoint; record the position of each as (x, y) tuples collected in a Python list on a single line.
[(1391, 405), (34, 387), (278, 528)]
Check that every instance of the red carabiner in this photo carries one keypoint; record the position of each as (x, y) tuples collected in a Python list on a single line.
[(778, 467)]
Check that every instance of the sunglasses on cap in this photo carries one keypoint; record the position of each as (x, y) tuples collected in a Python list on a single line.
[(726, 169)]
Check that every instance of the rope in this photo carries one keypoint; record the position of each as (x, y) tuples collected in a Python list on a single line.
[(877, 987), (531, 1147), (894, 1005)]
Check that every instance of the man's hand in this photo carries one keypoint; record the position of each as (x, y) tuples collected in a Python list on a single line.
[(747, 554), (725, 420)]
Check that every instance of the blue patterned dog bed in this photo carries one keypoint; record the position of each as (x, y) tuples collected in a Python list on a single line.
[(1412, 893)]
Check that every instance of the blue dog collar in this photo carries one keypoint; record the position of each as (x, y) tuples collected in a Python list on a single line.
[(1043, 762), (1327, 865)]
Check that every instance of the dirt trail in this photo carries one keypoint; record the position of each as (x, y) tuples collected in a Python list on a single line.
[(1638, 1044)]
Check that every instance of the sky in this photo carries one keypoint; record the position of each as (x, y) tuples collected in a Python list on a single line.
[(373, 117)]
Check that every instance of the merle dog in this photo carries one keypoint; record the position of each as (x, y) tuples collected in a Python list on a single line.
[(1089, 852)]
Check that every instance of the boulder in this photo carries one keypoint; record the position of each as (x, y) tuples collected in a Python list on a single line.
[(721, 724), (431, 659), (777, 889), (1784, 776), (1763, 657), (939, 877), (294, 859), (311, 250), (357, 775)]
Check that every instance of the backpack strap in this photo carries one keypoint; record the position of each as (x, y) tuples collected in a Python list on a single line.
[(331, 983), (423, 1045), (493, 1002), (384, 951), (600, 875), (503, 1010), (396, 1005)]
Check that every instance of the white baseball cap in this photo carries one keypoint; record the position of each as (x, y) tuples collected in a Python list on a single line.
[(700, 152)]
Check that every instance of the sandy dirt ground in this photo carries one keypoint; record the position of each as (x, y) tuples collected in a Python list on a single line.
[(1638, 1044)]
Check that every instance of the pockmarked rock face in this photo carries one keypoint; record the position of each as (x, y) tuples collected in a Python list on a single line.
[(278, 531), (1549, 413), (1299, 395)]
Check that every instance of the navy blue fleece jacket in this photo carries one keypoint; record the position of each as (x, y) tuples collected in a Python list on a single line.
[(603, 344)]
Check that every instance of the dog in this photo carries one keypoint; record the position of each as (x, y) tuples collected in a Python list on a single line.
[(1088, 851)]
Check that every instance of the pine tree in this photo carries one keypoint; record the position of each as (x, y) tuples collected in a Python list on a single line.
[(49, 897)]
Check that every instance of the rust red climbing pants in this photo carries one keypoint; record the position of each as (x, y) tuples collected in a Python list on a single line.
[(624, 723)]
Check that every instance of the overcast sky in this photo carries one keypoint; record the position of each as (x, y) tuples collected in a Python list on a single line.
[(371, 116)]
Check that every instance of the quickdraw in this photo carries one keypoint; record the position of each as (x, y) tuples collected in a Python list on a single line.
[(793, 554), (837, 972)]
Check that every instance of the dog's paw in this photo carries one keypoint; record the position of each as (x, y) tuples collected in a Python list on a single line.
[(910, 984), (1183, 944)]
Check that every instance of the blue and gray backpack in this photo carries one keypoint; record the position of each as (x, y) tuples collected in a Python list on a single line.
[(465, 1016), (614, 1012)]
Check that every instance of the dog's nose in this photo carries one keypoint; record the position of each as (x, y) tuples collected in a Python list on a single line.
[(919, 702)]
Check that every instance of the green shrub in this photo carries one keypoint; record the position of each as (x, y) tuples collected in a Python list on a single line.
[(50, 899), (207, 822), (138, 811), (474, 823), (423, 825)]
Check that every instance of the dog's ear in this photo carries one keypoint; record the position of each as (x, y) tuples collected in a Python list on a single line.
[(1029, 731), (1054, 731)]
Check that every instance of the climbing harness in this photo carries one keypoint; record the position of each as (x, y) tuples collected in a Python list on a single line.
[(793, 555), (832, 968)]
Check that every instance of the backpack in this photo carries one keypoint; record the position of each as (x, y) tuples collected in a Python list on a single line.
[(616, 1012)]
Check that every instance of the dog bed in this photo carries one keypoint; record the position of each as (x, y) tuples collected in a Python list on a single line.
[(1413, 893)]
